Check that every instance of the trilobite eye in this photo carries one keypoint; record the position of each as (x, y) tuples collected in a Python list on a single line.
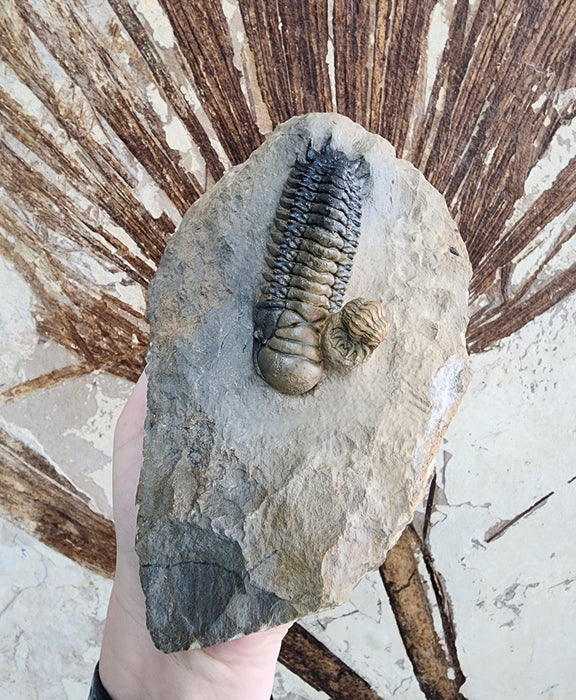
[(265, 321)]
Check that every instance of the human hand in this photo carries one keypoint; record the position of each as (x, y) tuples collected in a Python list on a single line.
[(130, 665)]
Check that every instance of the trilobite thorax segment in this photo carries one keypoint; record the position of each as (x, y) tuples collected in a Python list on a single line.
[(308, 261)]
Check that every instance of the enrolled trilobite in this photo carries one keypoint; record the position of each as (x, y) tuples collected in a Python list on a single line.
[(308, 260), (350, 336)]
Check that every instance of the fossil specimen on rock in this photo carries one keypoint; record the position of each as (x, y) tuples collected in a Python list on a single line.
[(309, 258), (350, 336), (257, 505)]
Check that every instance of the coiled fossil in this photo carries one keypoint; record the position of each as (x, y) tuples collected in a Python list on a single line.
[(350, 336), (308, 260)]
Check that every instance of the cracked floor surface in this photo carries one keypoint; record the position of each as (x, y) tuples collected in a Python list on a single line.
[(51, 620)]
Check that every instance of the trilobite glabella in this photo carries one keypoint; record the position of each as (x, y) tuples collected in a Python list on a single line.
[(308, 260)]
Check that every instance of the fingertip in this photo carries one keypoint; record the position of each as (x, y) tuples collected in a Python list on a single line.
[(139, 391), (131, 418)]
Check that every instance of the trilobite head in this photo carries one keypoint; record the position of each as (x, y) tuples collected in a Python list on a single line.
[(290, 359), (351, 335)]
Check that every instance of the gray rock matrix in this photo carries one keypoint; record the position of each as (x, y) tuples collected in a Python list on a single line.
[(256, 507)]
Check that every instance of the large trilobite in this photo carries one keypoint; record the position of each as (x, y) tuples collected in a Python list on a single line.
[(308, 260)]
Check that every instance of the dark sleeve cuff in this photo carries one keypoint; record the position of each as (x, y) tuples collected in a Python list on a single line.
[(97, 690)]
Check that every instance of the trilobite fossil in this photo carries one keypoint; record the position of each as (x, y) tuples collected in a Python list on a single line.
[(350, 336), (308, 261)]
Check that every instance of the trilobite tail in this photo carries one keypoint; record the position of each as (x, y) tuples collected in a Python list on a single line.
[(291, 360)]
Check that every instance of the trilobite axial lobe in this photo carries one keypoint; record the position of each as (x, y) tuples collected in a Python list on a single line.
[(308, 260)]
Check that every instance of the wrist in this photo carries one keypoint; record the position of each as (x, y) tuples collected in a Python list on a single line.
[(131, 668), (97, 690)]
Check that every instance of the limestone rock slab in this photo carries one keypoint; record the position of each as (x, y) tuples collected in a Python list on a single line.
[(257, 507)]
